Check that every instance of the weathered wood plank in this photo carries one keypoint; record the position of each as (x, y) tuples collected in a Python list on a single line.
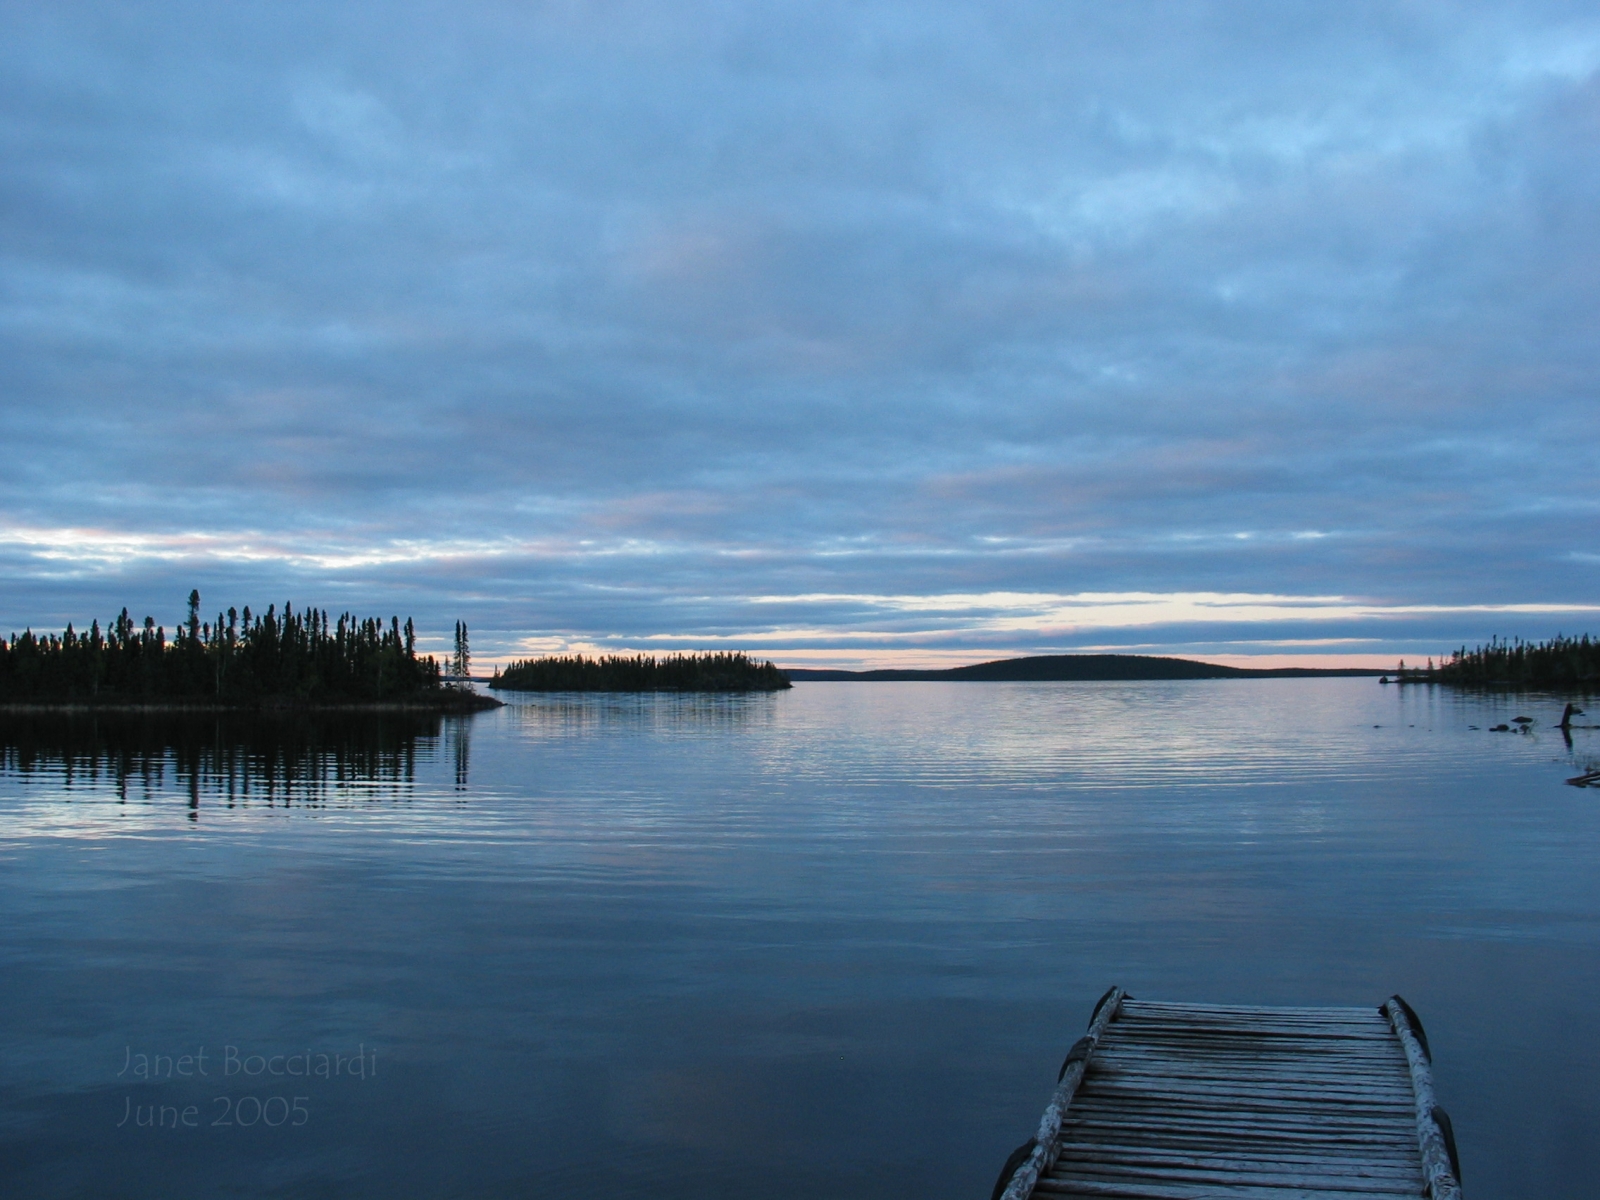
[(1236, 1176), (1223, 1132), (1374, 1027), (1186, 1006), (1375, 1062), (1277, 1085), (1372, 1019), (1206, 1029), (1235, 1141), (1259, 1108), (1146, 1190), (1165, 1034), (1111, 1088), (1371, 1022), (1393, 1157), (1383, 1073), (1228, 1158), (1150, 1027), (1264, 1113), (1264, 1045), (1255, 1127), (1327, 1051), (1246, 1078), (1144, 1009), (1195, 1092), (1245, 1081), (1312, 1133), (1192, 1109)]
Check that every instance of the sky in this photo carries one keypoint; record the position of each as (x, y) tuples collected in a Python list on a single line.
[(846, 334)]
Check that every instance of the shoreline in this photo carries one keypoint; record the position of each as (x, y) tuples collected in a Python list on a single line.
[(467, 702), (621, 691), (1580, 687), (967, 675)]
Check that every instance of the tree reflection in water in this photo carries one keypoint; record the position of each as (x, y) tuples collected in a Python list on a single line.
[(233, 759)]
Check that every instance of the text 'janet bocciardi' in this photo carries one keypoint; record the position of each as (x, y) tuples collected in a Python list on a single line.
[(149, 1068)]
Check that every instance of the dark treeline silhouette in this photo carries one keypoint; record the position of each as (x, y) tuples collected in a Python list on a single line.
[(642, 673), (1561, 662), (240, 658)]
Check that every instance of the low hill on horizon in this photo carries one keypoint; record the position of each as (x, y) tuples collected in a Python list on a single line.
[(1058, 668)]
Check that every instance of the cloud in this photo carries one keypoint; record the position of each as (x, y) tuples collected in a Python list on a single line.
[(591, 323)]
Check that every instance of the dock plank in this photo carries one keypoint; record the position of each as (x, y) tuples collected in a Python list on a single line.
[(1145, 1190), (1228, 1158)]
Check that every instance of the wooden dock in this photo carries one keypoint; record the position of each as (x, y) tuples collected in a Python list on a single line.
[(1164, 1101)]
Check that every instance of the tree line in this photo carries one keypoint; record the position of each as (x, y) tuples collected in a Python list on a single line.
[(1561, 662), (734, 672), (239, 657)]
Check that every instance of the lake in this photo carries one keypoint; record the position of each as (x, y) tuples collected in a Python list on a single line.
[(828, 943)]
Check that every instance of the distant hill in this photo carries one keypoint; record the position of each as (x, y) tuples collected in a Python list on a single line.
[(1054, 668)]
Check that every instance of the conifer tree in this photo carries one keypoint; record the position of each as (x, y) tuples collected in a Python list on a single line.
[(240, 658)]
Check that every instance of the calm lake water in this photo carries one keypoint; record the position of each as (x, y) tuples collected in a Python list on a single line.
[(828, 944)]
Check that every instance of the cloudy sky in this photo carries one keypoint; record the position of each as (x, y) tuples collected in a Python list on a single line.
[(855, 333)]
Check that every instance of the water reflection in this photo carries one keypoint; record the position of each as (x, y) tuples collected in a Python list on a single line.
[(654, 930), (235, 760), (563, 714)]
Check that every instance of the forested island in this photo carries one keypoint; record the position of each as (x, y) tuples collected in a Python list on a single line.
[(641, 673), (1560, 664), (241, 660)]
